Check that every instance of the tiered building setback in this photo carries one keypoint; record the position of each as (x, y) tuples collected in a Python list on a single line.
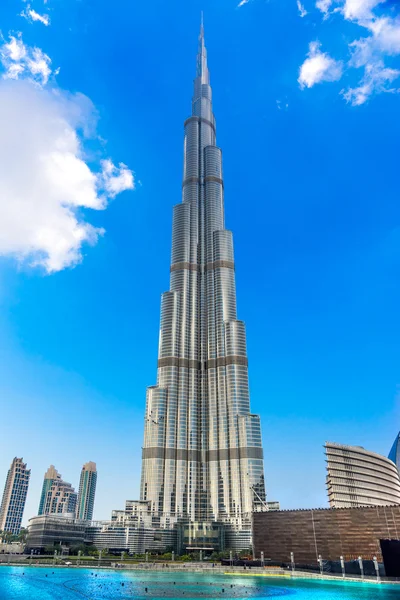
[(202, 454), (58, 496)]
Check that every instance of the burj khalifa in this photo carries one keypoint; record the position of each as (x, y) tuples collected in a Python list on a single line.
[(202, 458)]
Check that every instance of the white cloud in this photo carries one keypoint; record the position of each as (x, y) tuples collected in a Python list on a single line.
[(376, 80), (242, 3), (46, 183), (116, 179), (31, 15), (301, 9), (386, 35), (369, 52), (15, 50), (357, 10), (324, 6), (20, 60), (318, 67), (352, 10)]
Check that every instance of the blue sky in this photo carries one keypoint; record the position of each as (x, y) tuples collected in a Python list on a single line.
[(92, 106)]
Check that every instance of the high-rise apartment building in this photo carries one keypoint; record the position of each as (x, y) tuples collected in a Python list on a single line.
[(202, 454), (14, 497), (50, 476), (357, 477), (87, 491), (61, 498), (58, 496)]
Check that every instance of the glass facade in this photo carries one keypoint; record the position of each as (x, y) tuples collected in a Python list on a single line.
[(129, 530), (394, 454), (50, 476), (87, 491), (202, 452)]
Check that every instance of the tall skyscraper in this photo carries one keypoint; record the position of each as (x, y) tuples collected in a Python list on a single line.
[(357, 477), (58, 496), (394, 453), (202, 455), (49, 477), (14, 497), (87, 491)]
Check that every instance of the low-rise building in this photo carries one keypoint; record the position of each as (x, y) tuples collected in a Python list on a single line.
[(125, 537), (329, 533), (208, 537), (45, 531), (130, 530)]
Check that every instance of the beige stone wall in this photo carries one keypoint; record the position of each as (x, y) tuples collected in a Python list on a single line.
[(11, 548)]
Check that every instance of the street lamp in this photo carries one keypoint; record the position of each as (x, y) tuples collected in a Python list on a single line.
[(292, 561), (262, 559), (231, 558)]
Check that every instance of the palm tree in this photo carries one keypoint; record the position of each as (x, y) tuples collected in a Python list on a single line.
[(23, 534), (7, 537)]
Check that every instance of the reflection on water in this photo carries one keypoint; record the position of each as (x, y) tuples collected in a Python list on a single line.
[(34, 583)]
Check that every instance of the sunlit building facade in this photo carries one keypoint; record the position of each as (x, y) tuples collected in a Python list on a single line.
[(202, 453), (14, 496), (357, 477), (50, 476), (87, 491), (58, 496)]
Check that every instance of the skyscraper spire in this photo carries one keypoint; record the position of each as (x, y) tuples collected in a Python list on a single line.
[(202, 451), (202, 70)]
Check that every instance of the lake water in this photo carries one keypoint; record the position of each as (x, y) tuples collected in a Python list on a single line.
[(34, 583)]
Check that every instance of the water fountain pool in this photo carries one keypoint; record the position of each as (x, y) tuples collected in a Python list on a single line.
[(35, 583)]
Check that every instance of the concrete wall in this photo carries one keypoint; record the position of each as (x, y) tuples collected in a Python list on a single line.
[(347, 532), (13, 548)]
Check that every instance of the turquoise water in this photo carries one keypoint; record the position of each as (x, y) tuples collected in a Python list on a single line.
[(33, 583)]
